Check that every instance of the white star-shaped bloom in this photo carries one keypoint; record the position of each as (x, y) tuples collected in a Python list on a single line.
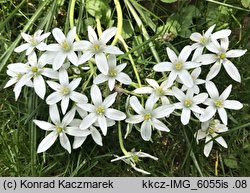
[(114, 73), (209, 130), (204, 40), (97, 47), (58, 129), (158, 91), (64, 48), (35, 71), (34, 41), (188, 102), (219, 103), (100, 110), (149, 116), (178, 67), (221, 57), (65, 91)]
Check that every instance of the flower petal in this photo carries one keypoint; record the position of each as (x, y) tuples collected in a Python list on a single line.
[(225, 94), (85, 57), (221, 141), (115, 114), (144, 90), (186, 78), (235, 53), (111, 83), (206, 59), (221, 34), (78, 97), (232, 104), (96, 135), (100, 79), (200, 98), (163, 111), (92, 35), (47, 142), (101, 62), (58, 61), (223, 115), (22, 47), (71, 35), (108, 34), (53, 98), (64, 141), (113, 50), (88, 121), (72, 57), (163, 66), (109, 100), (171, 55), (87, 107), (185, 52), (81, 45), (208, 147), (135, 119), (196, 37), (136, 105), (68, 118), (214, 70), (103, 124), (58, 35), (208, 114), (123, 78), (39, 86), (54, 85), (96, 95), (178, 94), (212, 89), (78, 141), (159, 125), (146, 130), (50, 73), (152, 83), (74, 83), (232, 71), (185, 116), (44, 125)]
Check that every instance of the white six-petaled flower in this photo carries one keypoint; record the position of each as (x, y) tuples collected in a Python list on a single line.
[(178, 66), (149, 116), (209, 130), (218, 103), (97, 47), (114, 73), (188, 102), (58, 129), (65, 48), (221, 57), (205, 40), (34, 41), (100, 110), (65, 91), (158, 91)]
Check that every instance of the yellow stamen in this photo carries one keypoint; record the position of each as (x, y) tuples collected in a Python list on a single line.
[(64, 45), (222, 56), (34, 69), (203, 40), (147, 117), (112, 72), (159, 91), (97, 47), (59, 129), (100, 110), (188, 103), (65, 91), (178, 65), (218, 103)]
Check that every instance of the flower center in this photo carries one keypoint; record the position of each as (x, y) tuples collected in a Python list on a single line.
[(211, 130), (136, 158), (19, 75), (188, 103), (97, 47), (33, 41), (147, 116), (159, 91), (178, 65), (203, 40), (112, 72), (65, 46), (100, 110), (34, 69), (59, 129), (218, 103), (65, 90), (222, 56)]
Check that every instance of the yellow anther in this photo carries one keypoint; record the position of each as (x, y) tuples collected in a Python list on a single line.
[(96, 47), (218, 103), (65, 45), (112, 72), (188, 103), (59, 129), (159, 91), (34, 69), (64, 90), (100, 110), (178, 65), (147, 117)]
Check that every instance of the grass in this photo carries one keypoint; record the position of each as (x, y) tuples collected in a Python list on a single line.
[(144, 22)]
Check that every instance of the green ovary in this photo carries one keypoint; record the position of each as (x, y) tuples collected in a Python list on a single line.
[(218, 103), (100, 110), (222, 56), (65, 91), (59, 129), (188, 103), (97, 47), (112, 72), (211, 130), (65, 46), (178, 65), (34, 69), (159, 92), (147, 117)]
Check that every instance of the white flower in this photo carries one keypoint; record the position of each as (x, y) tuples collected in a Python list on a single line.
[(58, 128), (34, 41), (158, 91), (188, 102), (65, 91), (149, 116), (132, 158), (16, 72), (114, 73), (221, 57), (205, 39), (219, 103), (178, 66), (210, 130), (35, 70), (65, 47), (195, 74), (100, 110), (98, 48)]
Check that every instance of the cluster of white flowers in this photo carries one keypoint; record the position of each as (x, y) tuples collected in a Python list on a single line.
[(179, 88)]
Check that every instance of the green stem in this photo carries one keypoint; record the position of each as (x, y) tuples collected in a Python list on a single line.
[(99, 26), (71, 16), (143, 29), (119, 22), (131, 60), (125, 152)]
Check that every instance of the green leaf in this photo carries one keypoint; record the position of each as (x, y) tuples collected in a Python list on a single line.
[(231, 162), (97, 8), (168, 1), (246, 3)]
